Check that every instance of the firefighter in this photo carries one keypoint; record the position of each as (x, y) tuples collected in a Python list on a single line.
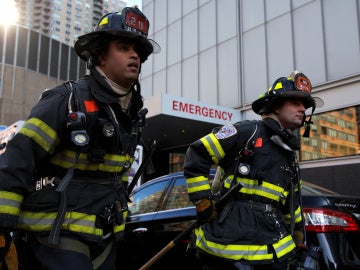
[(64, 176), (261, 227)]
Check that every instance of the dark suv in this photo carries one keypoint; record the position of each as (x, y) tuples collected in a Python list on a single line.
[(160, 210)]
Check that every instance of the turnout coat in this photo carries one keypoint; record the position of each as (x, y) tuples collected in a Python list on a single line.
[(45, 154), (255, 225)]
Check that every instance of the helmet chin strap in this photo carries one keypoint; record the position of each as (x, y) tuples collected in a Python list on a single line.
[(307, 124)]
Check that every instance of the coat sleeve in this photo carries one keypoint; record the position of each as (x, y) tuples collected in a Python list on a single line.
[(224, 141), (30, 148)]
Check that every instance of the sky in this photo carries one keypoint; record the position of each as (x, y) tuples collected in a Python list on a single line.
[(131, 3)]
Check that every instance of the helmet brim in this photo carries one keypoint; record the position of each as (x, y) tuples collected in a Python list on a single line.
[(309, 101), (83, 44)]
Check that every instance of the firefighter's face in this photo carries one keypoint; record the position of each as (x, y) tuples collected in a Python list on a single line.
[(121, 63), (291, 113)]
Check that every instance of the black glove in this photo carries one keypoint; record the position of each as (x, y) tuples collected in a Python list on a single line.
[(205, 210)]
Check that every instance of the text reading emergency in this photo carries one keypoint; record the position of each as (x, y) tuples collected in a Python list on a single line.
[(201, 110)]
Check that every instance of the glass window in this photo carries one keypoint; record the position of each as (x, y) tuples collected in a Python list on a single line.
[(33, 50), (10, 45), (64, 62), (339, 134), (311, 189), (73, 65), (178, 197), (22, 46), (54, 64), (44, 54), (147, 199)]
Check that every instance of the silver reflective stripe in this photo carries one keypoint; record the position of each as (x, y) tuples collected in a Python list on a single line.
[(234, 252), (262, 188), (198, 184), (213, 148)]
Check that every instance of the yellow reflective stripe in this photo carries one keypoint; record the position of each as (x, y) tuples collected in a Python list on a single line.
[(124, 177), (284, 246), (74, 222), (266, 189), (279, 85), (112, 162), (213, 147), (199, 183), (232, 251), (284, 196), (120, 228), (228, 181), (104, 21), (296, 187), (10, 203), (297, 217), (40, 133)]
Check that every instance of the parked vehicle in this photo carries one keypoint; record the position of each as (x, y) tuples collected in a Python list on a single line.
[(160, 210)]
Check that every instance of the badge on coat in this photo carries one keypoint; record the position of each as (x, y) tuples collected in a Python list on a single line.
[(226, 132)]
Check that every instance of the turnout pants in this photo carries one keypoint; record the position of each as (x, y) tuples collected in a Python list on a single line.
[(213, 263), (35, 253)]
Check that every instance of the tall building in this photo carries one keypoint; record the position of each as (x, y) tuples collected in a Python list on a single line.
[(64, 20), (113, 5)]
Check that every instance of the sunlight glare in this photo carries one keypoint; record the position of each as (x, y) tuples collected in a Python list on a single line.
[(8, 12)]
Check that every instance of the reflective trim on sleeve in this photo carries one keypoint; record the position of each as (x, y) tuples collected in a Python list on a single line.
[(297, 218), (296, 187), (112, 162), (120, 228), (228, 181), (10, 203), (213, 147), (196, 184), (41, 133), (284, 246)]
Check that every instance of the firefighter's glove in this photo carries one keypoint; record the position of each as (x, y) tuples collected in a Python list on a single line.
[(298, 237), (205, 210)]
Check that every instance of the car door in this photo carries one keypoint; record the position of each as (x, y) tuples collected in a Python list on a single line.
[(139, 241)]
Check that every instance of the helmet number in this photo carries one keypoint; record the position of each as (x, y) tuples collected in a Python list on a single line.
[(302, 83), (136, 22)]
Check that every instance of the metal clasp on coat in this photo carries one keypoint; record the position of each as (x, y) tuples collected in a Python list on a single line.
[(44, 182), (268, 208)]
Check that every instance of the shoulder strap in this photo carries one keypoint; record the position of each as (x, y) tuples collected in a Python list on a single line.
[(246, 154), (247, 151)]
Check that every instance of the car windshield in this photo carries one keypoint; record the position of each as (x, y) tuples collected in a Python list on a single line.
[(312, 189)]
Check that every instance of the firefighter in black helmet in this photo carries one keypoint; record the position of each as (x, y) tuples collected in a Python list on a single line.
[(63, 177), (261, 227)]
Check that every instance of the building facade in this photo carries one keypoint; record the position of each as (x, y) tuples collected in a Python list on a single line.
[(30, 62), (64, 20), (227, 53)]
